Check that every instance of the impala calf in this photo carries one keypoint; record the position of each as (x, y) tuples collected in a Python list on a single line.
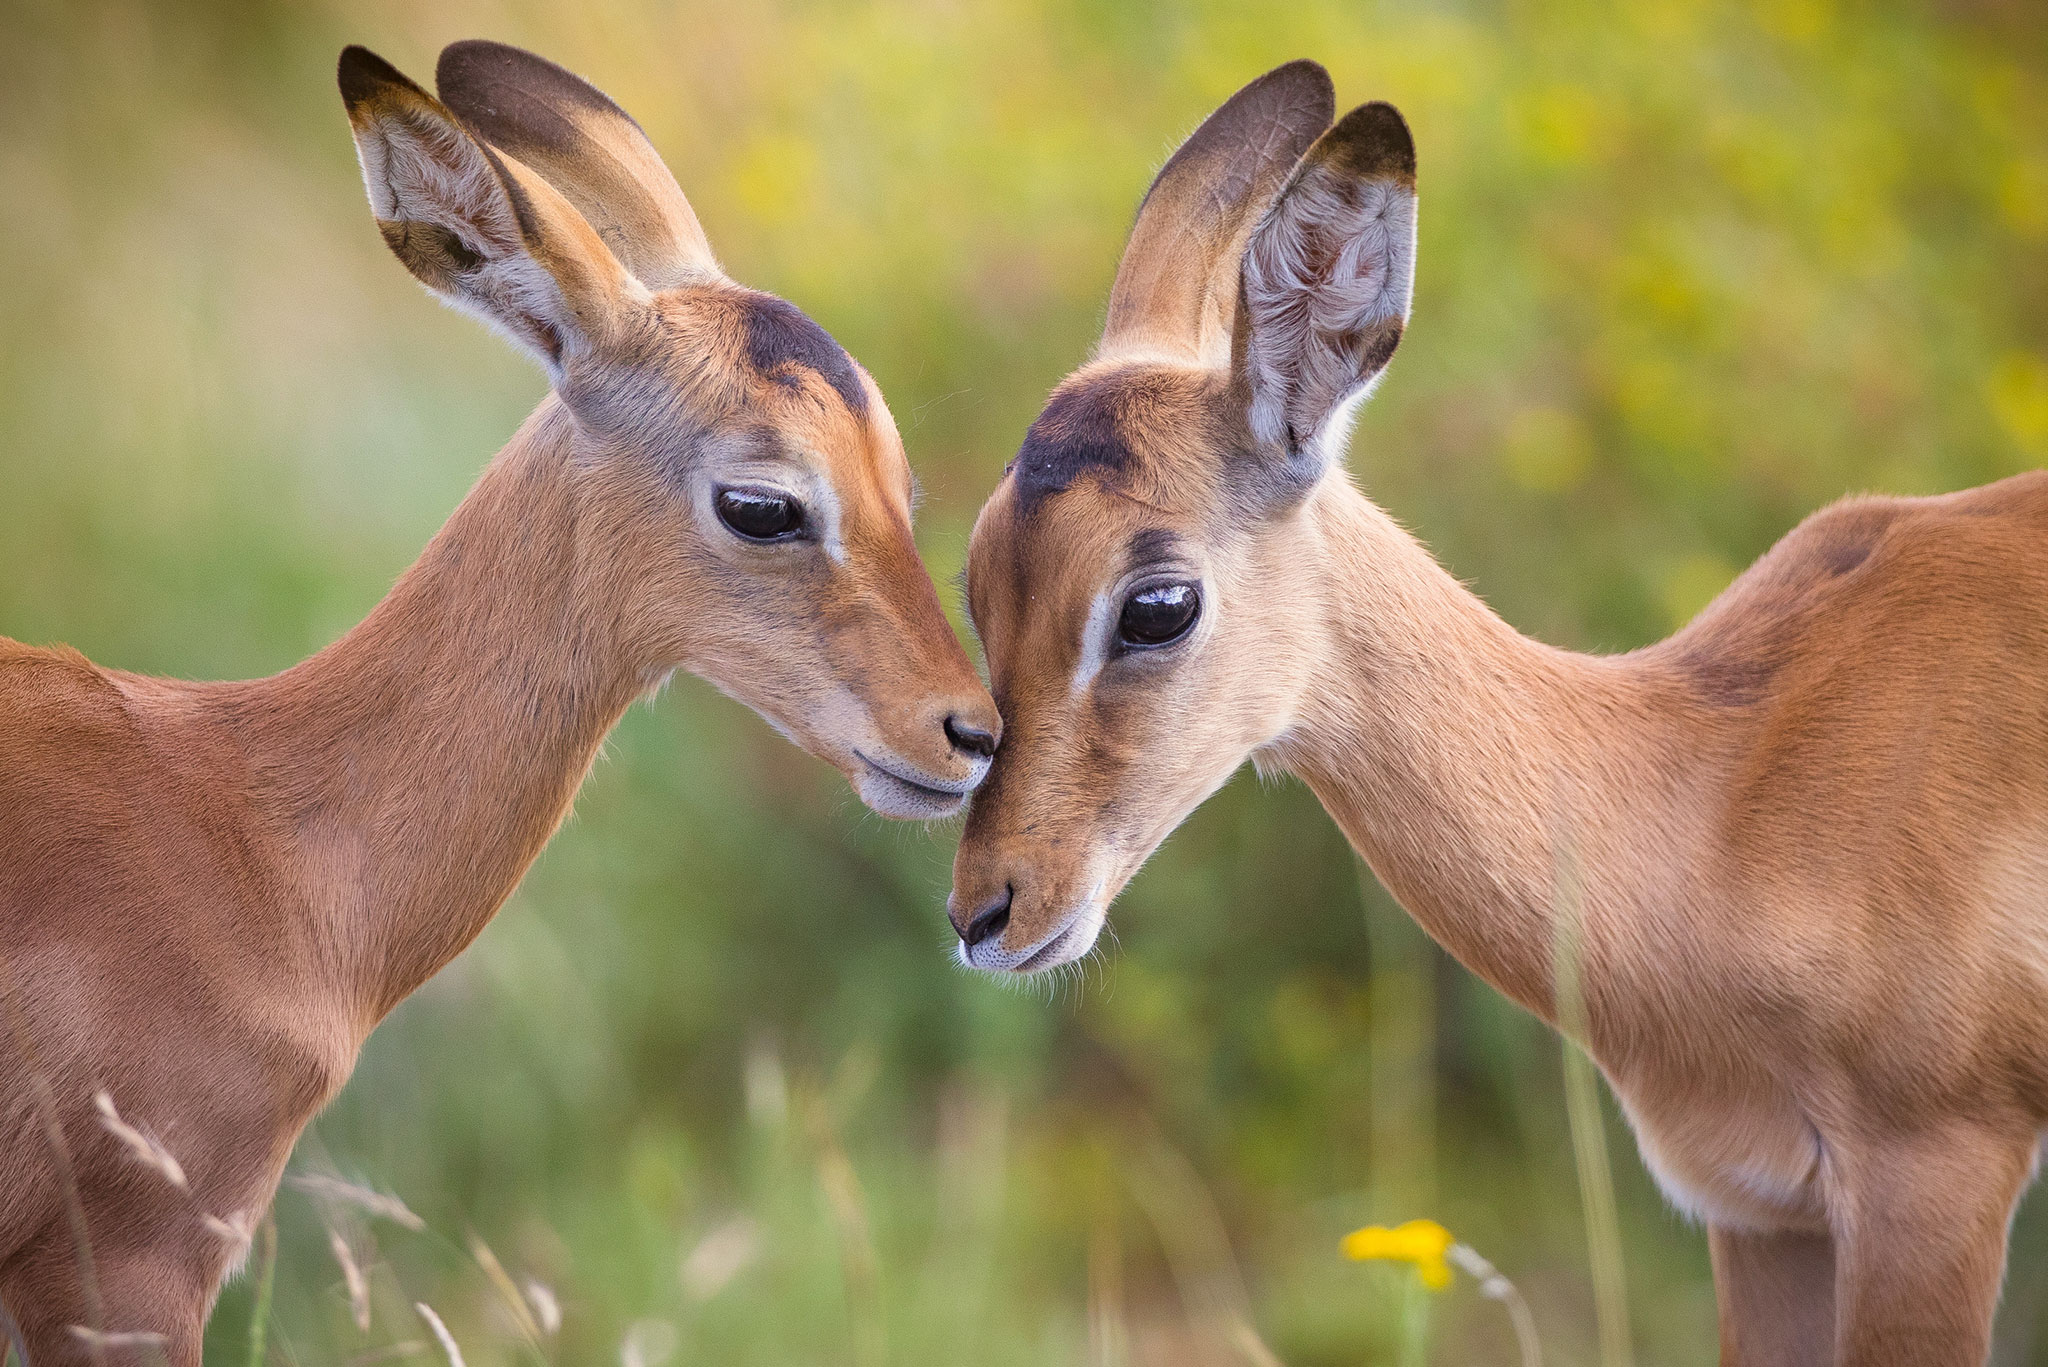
[(211, 892), (1808, 835)]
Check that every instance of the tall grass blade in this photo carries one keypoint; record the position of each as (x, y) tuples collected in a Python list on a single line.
[(1205, 1271), (266, 1282), (1401, 992), (848, 1206), (1589, 1132)]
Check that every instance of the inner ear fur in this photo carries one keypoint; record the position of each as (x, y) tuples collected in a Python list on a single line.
[(582, 143), (1328, 276), (1176, 288), (474, 225)]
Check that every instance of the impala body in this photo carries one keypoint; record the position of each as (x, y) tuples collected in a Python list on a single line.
[(1797, 854), (210, 893)]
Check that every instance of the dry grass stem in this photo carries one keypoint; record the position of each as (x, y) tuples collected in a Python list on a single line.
[(404, 1348), (236, 1231), (45, 1104), (449, 1348), (1247, 1341), (143, 1148), (648, 1343), (373, 1203), (1494, 1286), (720, 1256), (352, 1276), (507, 1289), (546, 1308), (859, 1263), (100, 1340), (1108, 1336)]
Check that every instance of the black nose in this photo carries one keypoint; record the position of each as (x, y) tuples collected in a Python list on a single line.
[(990, 921), (971, 739)]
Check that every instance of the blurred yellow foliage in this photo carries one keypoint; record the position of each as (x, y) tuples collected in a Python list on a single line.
[(2019, 396)]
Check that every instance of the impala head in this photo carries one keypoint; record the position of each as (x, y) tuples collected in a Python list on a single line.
[(742, 486), (1146, 578)]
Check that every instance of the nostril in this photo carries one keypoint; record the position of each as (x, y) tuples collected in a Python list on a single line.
[(990, 921), (970, 738)]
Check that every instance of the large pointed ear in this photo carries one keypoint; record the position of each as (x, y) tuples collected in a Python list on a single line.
[(1328, 275), (585, 146), (1176, 288), (477, 227)]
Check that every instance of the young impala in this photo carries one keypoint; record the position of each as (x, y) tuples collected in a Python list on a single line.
[(210, 893), (1804, 842)]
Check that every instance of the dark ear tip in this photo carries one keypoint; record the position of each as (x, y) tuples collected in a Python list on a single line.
[(466, 60), (1307, 74), (362, 74), (1302, 83), (1374, 140)]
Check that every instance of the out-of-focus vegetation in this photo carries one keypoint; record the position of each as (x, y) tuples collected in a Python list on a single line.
[(1689, 269)]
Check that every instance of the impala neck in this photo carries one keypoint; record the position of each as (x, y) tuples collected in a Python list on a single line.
[(425, 758), (1485, 777)]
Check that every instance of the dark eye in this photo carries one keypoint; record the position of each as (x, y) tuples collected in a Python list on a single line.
[(1158, 614), (760, 514)]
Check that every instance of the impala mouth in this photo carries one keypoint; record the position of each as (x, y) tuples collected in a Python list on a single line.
[(900, 791), (1071, 941)]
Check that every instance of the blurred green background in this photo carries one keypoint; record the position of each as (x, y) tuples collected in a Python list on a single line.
[(1689, 269)]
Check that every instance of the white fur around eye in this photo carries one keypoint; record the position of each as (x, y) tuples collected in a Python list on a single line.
[(1095, 641), (1333, 261)]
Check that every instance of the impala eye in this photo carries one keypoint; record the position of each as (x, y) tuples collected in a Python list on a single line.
[(1157, 615), (760, 514)]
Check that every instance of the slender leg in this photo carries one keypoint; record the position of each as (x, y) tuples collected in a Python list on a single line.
[(1776, 1294), (1920, 1234)]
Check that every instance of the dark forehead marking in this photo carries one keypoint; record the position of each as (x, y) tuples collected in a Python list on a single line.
[(1153, 545), (781, 336), (1076, 432)]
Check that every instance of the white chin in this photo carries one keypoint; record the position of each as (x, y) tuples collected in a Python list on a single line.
[(892, 797)]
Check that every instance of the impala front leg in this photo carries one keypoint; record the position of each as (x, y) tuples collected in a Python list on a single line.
[(1776, 1295), (1920, 1232)]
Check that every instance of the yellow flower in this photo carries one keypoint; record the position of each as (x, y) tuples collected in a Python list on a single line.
[(1421, 1242)]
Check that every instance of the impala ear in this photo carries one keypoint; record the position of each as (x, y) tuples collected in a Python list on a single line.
[(1328, 275), (585, 146), (1176, 288), (476, 227)]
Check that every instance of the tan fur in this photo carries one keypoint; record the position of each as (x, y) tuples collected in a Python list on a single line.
[(1798, 851), (210, 893)]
